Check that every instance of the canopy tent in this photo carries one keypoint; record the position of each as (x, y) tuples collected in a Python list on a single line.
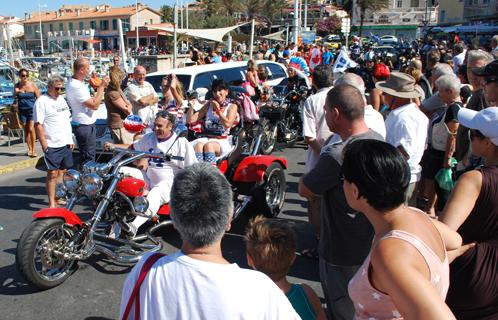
[(208, 34), (92, 41), (276, 36)]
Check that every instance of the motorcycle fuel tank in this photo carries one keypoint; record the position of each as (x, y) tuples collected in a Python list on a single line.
[(131, 187)]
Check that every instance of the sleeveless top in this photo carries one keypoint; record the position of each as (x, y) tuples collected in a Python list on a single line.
[(300, 303), (370, 303), (473, 292), (212, 123), (26, 100)]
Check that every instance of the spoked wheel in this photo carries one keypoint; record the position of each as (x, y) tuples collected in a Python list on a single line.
[(269, 138), (36, 256), (269, 197)]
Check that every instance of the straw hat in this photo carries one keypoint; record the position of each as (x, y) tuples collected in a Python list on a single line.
[(399, 85)]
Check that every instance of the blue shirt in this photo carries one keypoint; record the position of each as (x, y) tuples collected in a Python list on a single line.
[(327, 57)]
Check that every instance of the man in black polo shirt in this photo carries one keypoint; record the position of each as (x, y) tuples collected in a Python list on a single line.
[(346, 235)]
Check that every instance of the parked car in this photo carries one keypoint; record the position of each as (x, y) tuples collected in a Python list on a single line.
[(195, 77), (333, 41), (386, 51), (388, 40)]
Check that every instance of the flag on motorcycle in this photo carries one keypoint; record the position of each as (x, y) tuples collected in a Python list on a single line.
[(343, 62)]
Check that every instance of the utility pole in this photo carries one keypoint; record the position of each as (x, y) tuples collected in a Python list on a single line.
[(251, 45), (136, 23), (306, 15), (175, 35), (295, 34), (41, 29)]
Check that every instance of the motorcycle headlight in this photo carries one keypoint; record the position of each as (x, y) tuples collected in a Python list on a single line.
[(60, 191), (72, 180), (102, 169), (90, 167), (91, 184), (140, 204)]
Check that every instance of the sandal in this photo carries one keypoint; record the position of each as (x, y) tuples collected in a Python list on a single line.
[(310, 253)]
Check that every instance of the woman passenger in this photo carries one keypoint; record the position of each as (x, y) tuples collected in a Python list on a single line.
[(219, 115)]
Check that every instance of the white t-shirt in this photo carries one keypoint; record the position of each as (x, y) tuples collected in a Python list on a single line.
[(135, 92), (76, 94), (407, 126), (314, 124), (55, 117), (160, 169), (179, 287), (458, 61), (375, 120)]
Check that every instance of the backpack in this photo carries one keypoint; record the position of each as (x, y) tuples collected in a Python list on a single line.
[(249, 109)]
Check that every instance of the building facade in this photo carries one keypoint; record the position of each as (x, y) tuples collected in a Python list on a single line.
[(14, 26), (451, 12), (481, 11), (84, 24), (405, 19)]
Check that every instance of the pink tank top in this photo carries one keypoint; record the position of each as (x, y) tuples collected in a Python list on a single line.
[(370, 303)]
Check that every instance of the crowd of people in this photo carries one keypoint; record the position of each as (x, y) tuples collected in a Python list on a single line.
[(393, 241)]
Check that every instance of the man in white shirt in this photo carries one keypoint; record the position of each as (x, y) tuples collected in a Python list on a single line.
[(459, 56), (83, 108), (198, 282), (406, 125), (316, 132), (142, 96), (373, 118), (159, 173), (53, 127)]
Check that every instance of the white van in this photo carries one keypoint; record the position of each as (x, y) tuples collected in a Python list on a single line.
[(202, 76)]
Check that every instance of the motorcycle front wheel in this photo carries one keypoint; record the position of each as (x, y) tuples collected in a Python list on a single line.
[(35, 259), (269, 138)]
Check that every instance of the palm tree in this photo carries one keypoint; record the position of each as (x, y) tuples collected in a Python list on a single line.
[(371, 5)]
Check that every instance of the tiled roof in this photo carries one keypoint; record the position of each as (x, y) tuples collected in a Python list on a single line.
[(50, 16)]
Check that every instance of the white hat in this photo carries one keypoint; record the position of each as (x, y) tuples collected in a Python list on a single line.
[(486, 121)]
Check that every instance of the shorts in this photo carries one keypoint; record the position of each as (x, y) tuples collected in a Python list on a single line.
[(26, 115), (59, 158), (225, 144), (432, 162), (121, 135)]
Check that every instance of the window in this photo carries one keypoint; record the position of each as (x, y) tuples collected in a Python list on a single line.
[(29, 30), (275, 71), (383, 19), (114, 24), (82, 25), (61, 26), (399, 4), (104, 24), (93, 25), (203, 80), (70, 26), (442, 15), (414, 3), (51, 27)]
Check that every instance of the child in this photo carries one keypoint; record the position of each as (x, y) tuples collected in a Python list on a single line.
[(271, 246)]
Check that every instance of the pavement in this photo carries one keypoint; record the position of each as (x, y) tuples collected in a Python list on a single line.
[(15, 157)]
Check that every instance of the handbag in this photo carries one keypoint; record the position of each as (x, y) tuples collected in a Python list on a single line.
[(134, 299)]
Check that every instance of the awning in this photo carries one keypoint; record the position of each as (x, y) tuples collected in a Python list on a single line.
[(90, 40), (274, 36), (208, 34)]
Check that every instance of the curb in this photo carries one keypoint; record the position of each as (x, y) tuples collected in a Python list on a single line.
[(19, 165)]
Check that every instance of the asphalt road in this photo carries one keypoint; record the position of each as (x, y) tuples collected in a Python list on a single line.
[(94, 291)]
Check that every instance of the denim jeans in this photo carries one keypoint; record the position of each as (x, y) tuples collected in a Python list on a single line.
[(86, 139)]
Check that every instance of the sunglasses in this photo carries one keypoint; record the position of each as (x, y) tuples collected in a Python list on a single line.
[(166, 115), (23, 75), (59, 88), (476, 134)]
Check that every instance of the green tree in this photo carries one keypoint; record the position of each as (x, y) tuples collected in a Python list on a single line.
[(166, 13), (370, 5)]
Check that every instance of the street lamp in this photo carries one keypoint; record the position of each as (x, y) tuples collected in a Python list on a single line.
[(41, 31)]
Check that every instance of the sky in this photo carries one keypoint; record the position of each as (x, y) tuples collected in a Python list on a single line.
[(18, 8)]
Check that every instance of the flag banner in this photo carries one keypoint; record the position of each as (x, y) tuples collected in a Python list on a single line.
[(343, 62)]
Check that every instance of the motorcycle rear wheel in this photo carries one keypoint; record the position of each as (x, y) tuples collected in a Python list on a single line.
[(269, 198), (40, 267)]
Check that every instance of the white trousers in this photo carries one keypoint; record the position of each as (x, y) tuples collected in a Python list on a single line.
[(157, 195)]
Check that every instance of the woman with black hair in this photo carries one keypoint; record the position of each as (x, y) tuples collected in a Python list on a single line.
[(219, 115), (406, 274)]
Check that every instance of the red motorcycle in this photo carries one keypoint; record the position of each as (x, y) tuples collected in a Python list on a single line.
[(51, 246)]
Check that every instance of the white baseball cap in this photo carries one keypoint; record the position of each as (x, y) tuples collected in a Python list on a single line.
[(486, 121)]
